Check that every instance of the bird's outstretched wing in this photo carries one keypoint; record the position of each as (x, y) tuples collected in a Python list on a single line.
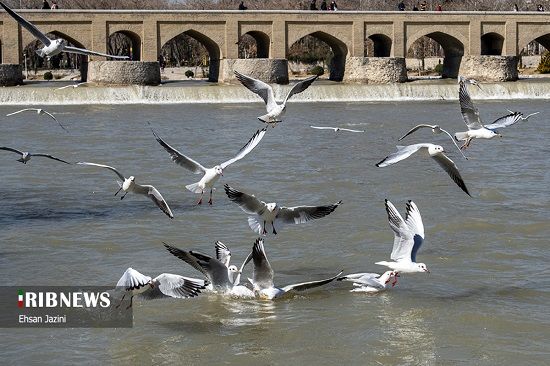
[(402, 153), (133, 280), (300, 87), (324, 128), (350, 130), (470, 114), (250, 145), (263, 273), (265, 91), (155, 196), (28, 26), (223, 254), (23, 110), (308, 285), (416, 227), (416, 128), (507, 120), (403, 236), (178, 286), (248, 203), (12, 150), (103, 166), (303, 214), (180, 159), (51, 157), (83, 51), (450, 167)]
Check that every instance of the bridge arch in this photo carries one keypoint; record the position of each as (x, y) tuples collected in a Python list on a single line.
[(453, 49), (542, 37), (213, 49), (125, 43), (339, 49), (261, 41), (380, 44), (491, 44)]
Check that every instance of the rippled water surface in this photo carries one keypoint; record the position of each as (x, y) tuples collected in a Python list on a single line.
[(485, 301)]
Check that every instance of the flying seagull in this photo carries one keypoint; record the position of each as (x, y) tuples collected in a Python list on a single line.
[(26, 156), (129, 185), (271, 214), (223, 278), (408, 237), (508, 120), (72, 86), (210, 175), (52, 47), (171, 285), (274, 111), (470, 114), (335, 129), (436, 130), (262, 280), (40, 112), (435, 151), (369, 282)]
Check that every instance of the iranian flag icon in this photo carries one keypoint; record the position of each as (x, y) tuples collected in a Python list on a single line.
[(20, 298)]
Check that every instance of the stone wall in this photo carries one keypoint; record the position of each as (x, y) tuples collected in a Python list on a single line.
[(376, 70), (490, 68), (265, 69), (10, 75), (124, 73)]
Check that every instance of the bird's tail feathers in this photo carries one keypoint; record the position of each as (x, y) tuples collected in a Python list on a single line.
[(461, 136), (194, 187)]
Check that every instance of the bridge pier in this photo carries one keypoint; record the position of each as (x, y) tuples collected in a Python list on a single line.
[(490, 68), (124, 72), (11, 75), (273, 70), (376, 70)]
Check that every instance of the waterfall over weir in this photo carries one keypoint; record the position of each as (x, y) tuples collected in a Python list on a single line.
[(324, 91)]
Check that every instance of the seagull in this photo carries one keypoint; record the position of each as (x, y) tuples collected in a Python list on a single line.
[(408, 237), (72, 85), (435, 151), (274, 111), (52, 47), (369, 282), (262, 280), (40, 112), (508, 120), (210, 175), (470, 114), (129, 185), (335, 129), (26, 156), (171, 285), (263, 214), (221, 276), (436, 130)]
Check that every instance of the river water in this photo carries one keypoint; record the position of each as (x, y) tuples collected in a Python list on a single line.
[(485, 301)]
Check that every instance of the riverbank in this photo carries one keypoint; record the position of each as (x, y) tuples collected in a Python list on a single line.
[(47, 93)]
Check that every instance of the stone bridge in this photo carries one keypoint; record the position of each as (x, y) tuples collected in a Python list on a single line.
[(460, 34)]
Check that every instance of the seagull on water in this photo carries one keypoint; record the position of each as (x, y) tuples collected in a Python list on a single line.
[(271, 214), (369, 282), (408, 237), (335, 129), (52, 47), (129, 185), (40, 112), (274, 111), (172, 285), (436, 152), (26, 156), (436, 130), (470, 114), (210, 175), (262, 280), (223, 278)]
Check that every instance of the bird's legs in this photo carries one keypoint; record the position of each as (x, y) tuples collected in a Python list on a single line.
[(120, 189), (200, 199), (466, 144), (121, 300), (273, 224), (210, 200), (131, 302), (124, 195), (395, 279)]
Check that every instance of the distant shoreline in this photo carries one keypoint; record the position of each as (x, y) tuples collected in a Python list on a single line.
[(186, 92)]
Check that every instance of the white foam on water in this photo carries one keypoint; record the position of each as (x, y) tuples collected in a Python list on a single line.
[(223, 93)]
